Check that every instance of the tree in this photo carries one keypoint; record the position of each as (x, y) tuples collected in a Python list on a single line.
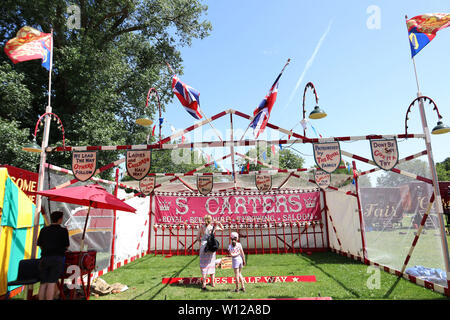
[(284, 159), (443, 170), (101, 70), (392, 179)]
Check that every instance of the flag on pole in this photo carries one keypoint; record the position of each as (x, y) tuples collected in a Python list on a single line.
[(30, 44), (262, 112), (423, 28), (188, 96)]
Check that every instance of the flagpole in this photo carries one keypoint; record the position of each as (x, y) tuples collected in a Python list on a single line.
[(44, 145), (436, 191)]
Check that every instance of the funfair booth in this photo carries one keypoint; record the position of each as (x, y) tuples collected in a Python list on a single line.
[(396, 228)]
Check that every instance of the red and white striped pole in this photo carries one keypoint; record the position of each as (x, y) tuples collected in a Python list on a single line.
[(361, 220), (113, 242), (419, 231)]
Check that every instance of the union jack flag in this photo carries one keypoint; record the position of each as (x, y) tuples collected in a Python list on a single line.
[(188, 96), (262, 112)]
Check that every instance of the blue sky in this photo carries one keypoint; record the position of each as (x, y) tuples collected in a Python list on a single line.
[(363, 72)]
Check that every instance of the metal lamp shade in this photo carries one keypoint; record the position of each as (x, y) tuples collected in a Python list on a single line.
[(144, 121), (317, 113), (440, 128), (32, 147)]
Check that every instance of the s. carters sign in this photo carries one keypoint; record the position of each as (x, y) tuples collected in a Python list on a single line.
[(238, 206)]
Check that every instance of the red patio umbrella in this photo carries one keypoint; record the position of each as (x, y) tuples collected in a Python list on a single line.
[(92, 195)]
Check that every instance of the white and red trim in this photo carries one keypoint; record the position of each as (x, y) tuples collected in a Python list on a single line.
[(413, 279)]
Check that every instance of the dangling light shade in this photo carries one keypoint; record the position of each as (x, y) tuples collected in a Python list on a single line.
[(317, 113), (440, 128), (144, 121), (32, 147)]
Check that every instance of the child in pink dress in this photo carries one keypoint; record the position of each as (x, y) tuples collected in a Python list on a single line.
[(238, 260)]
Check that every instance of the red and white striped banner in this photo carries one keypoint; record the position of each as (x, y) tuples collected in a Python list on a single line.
[(164, 143), (224, 144)]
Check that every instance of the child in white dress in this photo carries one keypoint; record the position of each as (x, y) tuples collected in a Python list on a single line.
[(238, 260)]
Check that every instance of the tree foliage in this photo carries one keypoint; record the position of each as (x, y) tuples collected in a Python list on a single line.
[(284, 159), (101, 70), (443, 170), (392, 179)]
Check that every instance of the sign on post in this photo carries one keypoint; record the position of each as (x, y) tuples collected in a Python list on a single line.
[(84, 164)]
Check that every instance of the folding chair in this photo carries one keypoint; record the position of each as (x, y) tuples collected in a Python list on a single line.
[(28, 273)]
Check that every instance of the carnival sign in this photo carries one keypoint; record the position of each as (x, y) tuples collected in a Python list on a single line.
[(204, 184), (138, 163), (84, 164), (384, 153), (322, 178), (249, 207), (327, 155), (147, 185), (263, 182)]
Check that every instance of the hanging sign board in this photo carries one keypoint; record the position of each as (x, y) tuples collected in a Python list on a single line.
[(204, 184), (327, 155), (385, 153), (138, 163), (147, 185), (84, 164), (263, 182), (322, 179)]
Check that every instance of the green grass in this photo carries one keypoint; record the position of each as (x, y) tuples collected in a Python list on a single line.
[(338, 277)]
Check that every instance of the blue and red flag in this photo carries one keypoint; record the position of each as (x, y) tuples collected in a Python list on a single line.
[(422, 29), (188, 96), (30, 44), (262, 112)]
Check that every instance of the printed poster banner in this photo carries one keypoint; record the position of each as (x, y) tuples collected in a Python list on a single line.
[(384, 153), (84, 164), (205, 184), (322, 178), (147, 185), (138, 163), (238, 207), (327, 155), (263, 182)]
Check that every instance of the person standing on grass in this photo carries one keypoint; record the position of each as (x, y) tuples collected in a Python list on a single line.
[(238, 260), (53, 241), (207, 258)]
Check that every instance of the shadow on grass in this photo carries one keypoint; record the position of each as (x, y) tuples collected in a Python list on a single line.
[(388, 293), (174, 275), (197, 285), (315, 261)]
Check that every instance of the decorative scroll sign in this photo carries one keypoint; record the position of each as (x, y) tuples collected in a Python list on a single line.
[(263, 182), (204, 184), (147, 185), (327, 155), (138, 163), (322, 179), (385, 153), (84, 164)]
